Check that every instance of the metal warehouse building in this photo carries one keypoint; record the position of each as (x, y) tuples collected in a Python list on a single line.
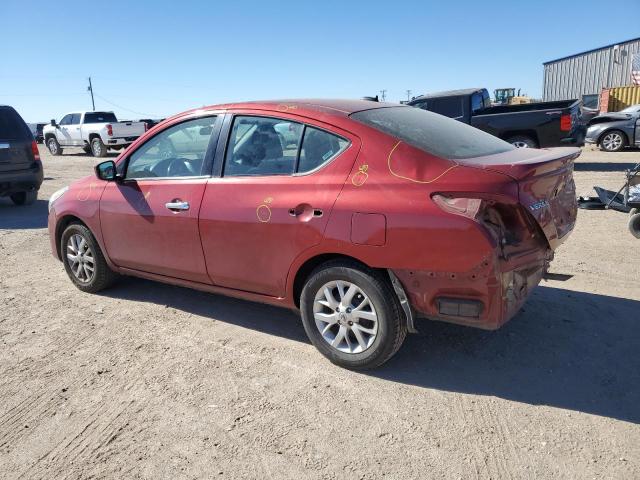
[(585, 74)]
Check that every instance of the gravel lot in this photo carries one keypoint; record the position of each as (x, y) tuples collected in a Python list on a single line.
[(153, 381)]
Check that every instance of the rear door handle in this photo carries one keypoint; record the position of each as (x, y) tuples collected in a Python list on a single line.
[(177, 205), (295, 212)]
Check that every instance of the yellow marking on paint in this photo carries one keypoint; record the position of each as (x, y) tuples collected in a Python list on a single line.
[(263, 212), (361, 176), (413, 179), (81, 197)]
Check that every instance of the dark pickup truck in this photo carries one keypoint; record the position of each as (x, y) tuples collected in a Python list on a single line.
[(534, 125)]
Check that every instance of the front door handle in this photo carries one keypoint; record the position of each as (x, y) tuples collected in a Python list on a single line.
[(177, 205)]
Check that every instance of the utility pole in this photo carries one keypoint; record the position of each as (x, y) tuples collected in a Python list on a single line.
[(408, 95), (90, 89), (383, 95)]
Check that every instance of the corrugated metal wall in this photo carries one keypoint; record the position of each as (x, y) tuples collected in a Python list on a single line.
[(623, 97), (589, 73)]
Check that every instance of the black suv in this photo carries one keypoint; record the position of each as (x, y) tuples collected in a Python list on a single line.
[(20, 167)]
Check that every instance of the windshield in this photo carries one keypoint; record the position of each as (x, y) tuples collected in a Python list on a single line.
[(631, 109), (100, 117), (433, 133)]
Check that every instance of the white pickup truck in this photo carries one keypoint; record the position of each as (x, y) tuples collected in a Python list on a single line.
[(94, 132)]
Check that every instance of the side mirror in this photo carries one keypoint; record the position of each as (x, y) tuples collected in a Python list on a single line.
[(53, 122), (106, 170)]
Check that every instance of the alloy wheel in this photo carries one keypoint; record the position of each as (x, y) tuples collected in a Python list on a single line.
[(80, 258), (612, 141), (53, 147), (345, 317), (520, 144)]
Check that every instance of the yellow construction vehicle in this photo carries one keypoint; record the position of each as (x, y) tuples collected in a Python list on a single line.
[(507, 96)]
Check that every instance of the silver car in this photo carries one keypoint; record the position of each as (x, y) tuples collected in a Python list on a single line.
[(615, 130)]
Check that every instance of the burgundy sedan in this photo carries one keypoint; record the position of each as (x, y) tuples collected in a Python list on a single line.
[(367, 217)]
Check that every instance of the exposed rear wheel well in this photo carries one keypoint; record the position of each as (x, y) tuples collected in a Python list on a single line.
[(310, 265), (521, 133), (93, 135), (62, 225), (48, 136)]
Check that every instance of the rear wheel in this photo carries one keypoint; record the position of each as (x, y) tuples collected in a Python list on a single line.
[(634, 222), (24, 198), (84, 261), (54, 147), (522, 141), (98, 149), (613, 141), (352, 315)]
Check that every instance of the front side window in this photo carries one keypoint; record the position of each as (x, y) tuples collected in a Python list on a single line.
[(75, 119), (178, 151), (262, 146), (66, 120), (434, 134)]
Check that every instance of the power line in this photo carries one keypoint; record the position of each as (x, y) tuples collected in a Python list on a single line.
[(126, 109)]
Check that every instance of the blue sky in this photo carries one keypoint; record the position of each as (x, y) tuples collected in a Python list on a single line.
[(156, 58)]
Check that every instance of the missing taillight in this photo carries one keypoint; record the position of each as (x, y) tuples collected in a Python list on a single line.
[(109, 130), (467, 207)]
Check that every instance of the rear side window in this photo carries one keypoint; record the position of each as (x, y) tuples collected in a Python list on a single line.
[(12, 127), (100, 117), (448, 106), (271, 146), (432, 133), (318, 148)]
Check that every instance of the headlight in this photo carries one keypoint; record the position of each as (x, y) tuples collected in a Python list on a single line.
[(56, 195)]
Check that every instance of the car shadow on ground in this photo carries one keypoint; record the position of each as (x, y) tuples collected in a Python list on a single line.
[(13, 217), (604, 166), (565, 349)]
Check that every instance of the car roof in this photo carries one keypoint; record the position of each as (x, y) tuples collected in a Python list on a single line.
[(305, 107)]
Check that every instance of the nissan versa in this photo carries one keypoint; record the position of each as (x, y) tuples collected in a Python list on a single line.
[(364, 216)]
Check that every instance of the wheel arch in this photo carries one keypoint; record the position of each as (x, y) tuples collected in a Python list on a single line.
[(62, 224), (532, 134)]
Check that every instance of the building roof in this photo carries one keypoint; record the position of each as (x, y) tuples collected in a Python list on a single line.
[(592, 50)]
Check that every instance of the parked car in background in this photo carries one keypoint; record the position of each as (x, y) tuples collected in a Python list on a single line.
[(20, 166), (36, 130), (533, 125), (374, 215), (614, 131), (94, 132)]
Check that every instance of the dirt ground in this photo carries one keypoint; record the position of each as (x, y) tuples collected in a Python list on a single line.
[(152, 381)]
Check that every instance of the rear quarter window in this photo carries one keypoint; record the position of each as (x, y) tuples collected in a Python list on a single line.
[(12, 127), (432, 133)]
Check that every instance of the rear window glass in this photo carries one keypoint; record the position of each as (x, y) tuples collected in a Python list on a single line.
[(100, 117), (433, 133), (11, 126)]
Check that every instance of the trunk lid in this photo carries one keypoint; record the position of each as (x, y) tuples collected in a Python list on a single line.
[(15, 142), (545, 185)]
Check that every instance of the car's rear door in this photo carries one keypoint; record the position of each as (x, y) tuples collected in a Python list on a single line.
[(15, 142), (272, 198), (149, 219)]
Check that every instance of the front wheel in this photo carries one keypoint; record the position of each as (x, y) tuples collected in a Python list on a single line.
[(84, 261), (613, 141), (351, 314), (634, 222), (54, 147), (98, 149)]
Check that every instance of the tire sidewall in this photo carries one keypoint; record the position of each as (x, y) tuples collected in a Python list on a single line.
[(634, 225), (77, 229), (52, 142), (385, 338), (96, 142)]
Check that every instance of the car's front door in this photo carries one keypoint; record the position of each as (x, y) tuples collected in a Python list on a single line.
[(63, 132), (75, 134), (272, 200), (149, 218)]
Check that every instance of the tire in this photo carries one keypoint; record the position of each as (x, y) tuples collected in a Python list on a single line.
[(613, 141), (522, 141), (372, 343), (91, 282), (98, 149), (54, 147), (634, 223), (24, 198)]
